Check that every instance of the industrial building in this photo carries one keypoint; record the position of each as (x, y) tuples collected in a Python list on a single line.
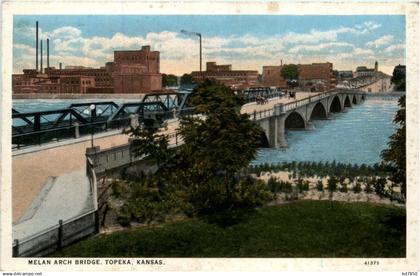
[(312, 77), (135, 71), (237, 79)]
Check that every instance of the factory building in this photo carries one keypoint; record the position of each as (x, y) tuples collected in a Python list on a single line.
[(135, 71)]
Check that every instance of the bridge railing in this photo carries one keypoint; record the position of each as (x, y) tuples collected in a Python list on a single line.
[(258, 115), (293, 105), (21, 140), (254, 98)]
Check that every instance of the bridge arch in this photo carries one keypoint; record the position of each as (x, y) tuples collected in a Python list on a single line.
[(318, 112), (263, 141), (294, 121), (347, 102), (335, 105), (354, 99)]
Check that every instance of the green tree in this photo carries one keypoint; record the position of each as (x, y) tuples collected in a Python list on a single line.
[(332, 184), (221, 143), (398, 79), (169, 80), (319, 186), (394, 156), (357, 188), (290, 72), (186, 79), (147, 142)]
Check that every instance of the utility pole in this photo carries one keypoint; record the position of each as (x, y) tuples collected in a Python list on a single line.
[(201, 53)]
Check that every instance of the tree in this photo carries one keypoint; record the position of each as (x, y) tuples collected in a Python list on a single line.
[(219, 145), (394, 156), (169, 80), (186, 79), (290, 72), (398, 78)]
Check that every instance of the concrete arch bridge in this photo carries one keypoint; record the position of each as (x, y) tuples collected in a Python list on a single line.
[(299, 114)]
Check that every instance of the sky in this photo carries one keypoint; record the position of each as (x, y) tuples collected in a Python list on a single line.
[(248, 42)]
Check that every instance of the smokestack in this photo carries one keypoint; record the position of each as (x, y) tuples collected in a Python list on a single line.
[(60, 65), (36, 58), (48, 53), (41, 57), (281, 62)]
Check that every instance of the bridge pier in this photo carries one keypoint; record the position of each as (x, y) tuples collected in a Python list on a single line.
[(281, 141)]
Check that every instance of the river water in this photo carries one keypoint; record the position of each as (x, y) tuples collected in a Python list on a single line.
[(356, 136)]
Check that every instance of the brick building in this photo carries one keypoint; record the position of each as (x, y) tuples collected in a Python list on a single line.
[(312, 77), (271, 76), (224, 74), (134, 71), (317, 77)]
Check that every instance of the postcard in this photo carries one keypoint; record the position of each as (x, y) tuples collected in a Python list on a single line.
[(209, 136)]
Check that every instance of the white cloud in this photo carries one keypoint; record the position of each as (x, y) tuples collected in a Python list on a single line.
[(329, 47), (382, 41), (24, 48), (366, 27), (67, 32), (395, 47)]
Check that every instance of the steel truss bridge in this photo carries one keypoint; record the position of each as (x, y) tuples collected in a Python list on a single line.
[(29, 128)]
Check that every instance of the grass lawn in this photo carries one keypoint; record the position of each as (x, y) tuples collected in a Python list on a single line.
[(298, 229)]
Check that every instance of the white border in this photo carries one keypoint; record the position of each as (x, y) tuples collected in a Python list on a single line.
[(410, 9)]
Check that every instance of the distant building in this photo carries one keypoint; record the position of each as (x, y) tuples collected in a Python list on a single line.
[(344, 75), (312, 77), (363, 71), (317, 77), (224, 74), (131, 72), (369, 80), (272, 77)]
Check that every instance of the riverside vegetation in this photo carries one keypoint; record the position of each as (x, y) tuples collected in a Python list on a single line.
[(223, 202)]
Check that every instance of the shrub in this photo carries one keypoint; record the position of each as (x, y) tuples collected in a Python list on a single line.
[(368, 187), (319, 185), (343, 188), (117, 188), (306, 185), (250, 193), (357, 188), (286, 187), (379, 186), (332, 184), (274, 185)]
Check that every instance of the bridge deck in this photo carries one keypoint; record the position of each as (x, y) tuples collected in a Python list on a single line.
[(251, 107)]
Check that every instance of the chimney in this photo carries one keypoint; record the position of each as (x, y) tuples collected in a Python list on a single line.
[(36, 47), (41, 56), (48, 53), (281, 62), (60, 65)]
